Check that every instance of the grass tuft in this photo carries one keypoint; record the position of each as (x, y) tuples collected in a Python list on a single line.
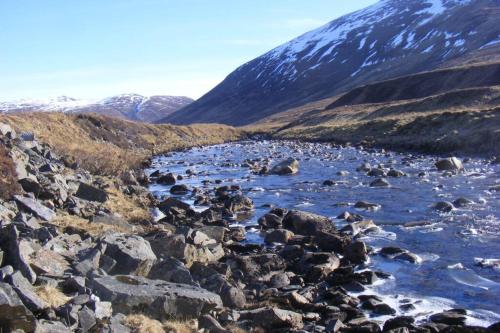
[(52, 296)]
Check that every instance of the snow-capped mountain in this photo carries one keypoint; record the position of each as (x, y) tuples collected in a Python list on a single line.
[(128, 106), (386, 40)]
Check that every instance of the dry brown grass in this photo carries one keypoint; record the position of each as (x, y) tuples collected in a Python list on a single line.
[(142, 324), (52, 296), (8, 178), (130, 208), (63, 220), (109, 146)]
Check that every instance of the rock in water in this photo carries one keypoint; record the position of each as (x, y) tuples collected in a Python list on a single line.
[(289, 166), (304, 223), (449, 164), (158, 299)]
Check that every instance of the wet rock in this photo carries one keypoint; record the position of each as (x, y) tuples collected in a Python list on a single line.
[(239, 203), (366, 205), (34, 207), (278, 236), (170, 202), (397, 322), (317, 265), (462, 202), (356, 252), (332, 242), (91, 193), (270, 221), (395, 173), (168, 179), (287, 167), (158, 299), (391, 251), (449, 164), (133, 254), (304, 223), (444, 206), (450, 317), (273, 318), (179, 189), (357, 227), (364, 167), (328, 183), (376, 173), (409, 257), (380, 182), (334, 326), (13, 314)]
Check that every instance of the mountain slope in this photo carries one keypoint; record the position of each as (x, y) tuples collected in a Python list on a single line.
[(386, 40), (127, 106)]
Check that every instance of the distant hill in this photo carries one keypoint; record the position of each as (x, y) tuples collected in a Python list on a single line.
[(127, 106), (389, 39)]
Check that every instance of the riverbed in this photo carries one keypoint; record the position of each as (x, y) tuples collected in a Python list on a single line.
[(448, 245)]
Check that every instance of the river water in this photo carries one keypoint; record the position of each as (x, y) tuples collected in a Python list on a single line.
[(448, 244)]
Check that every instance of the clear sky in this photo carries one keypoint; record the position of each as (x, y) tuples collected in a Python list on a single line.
[(96, 48)]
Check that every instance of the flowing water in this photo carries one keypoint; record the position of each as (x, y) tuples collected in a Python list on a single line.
[(447, 244)]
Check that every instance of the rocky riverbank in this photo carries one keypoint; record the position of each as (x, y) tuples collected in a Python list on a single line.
[(72, 260)]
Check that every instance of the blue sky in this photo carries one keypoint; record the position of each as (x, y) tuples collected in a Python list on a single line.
[(96, 48)]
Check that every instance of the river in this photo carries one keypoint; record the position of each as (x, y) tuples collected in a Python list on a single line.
[(448, 244)]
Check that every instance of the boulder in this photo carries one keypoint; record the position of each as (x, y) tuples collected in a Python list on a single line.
[(26, 292), (327, 241), (380, 182), (168, 179), (462, 202), (13, 314), (273, 318), (156, 298), (239, 203), (179, 189), (133, 254), (356, 252), (304, 223), (450, 317), (91, 193), (49, 262), (289, 166), (17, 251), (278, 236), (355, 228), (34, 207), (444, 206), (449, 164), (270, 221), (171, 270)]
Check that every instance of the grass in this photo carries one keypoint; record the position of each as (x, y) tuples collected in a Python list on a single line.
[(52, 296), (109, 146), (63, 221), (131, 208), (8, 179), (142, 324)]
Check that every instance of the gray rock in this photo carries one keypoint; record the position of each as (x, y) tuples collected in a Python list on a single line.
[(86, 319), (47, 326), (450, 317), (380, 182), (102, 310), (34, 207), (357, 227), (158, 299), (408, 256), (171, 270), (168, 179), (304, 223), (116, 324), (179, 189), (26, 292), (449, 164), (239, 203), (17, 251), (444, 206), (278, 236), (211, 325), (356, 252), (462, 202), (13, 314), (91, 193), (289, 166), (133, 254), (273, 318), (395, 173), (270, 221)]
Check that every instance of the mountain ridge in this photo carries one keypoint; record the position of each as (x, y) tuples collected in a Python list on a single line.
[(389, 39)]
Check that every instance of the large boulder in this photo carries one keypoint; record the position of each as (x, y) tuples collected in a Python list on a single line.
[(156, 298), (91, 193), (171, 270), (34, 207), (304, 223), (133, 254), (289, 166), (449, 164), (13, 314)]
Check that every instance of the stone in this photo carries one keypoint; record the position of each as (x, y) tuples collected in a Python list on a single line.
[(171, 270), (49, 262), (168, 179), (179, 189), (26, 292), (47, 326), (289, 166), (449, 164), (334, 325), (211, 325), (395, 173), (34, 207), (239, 203), (462, 202), (86, 319), (278, 236), (444, 206), (13, 314), (91, 193), (30, 185), (270, 221), (273, 318), (397, 322), (450, 317), (366, 205), (304, 223), (356, 252), (133, 254), (17, 251), (357, 227), (102, 310), (170, 202), (380, 182), (158, 299), (409, 257), (317, 265), (332, 242)]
